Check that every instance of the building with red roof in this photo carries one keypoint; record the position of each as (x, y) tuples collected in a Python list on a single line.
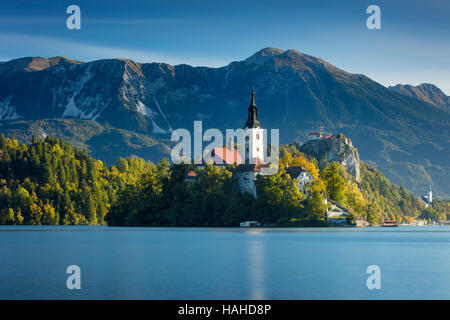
[(226, 156), (190, 176)]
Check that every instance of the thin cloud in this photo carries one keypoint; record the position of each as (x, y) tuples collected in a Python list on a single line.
[(129, 21), (93, 20), (29, 45), (33, 20)]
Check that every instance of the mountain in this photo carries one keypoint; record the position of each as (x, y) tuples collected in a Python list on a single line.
[(426, 92), (402, 136)]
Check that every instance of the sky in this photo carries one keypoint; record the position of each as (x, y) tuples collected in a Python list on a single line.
[(412, 46)]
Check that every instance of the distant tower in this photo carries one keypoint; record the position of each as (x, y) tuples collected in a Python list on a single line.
[(254, 146), (428, 198), (430, 195)]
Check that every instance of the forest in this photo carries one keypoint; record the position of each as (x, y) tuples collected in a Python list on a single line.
[(49, 182)]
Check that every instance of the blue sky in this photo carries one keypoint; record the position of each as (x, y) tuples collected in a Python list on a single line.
[(412, 47)]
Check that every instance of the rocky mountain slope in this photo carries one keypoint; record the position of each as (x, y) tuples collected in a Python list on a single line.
[(426, 92), (404, 137), (333, 150)]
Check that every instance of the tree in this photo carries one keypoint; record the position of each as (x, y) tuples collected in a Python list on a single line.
[(373, 213), (7, 216), (91, 213), (35, 214), (18, 218), (49, 215), (355, 200), (334, 183), (315, 205)]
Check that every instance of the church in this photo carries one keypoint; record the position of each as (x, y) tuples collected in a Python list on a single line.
[(249, 165), (254, 151), (428, 198), (253, 162)]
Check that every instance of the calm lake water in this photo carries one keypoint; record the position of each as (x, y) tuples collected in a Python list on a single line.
[(175, 263)]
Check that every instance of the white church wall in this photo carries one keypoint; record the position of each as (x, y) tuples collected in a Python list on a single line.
[(254, 145)]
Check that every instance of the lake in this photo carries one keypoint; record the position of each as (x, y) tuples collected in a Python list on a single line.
[(219, 263)]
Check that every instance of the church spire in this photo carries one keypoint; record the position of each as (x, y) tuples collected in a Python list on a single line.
[(252, 121), (252, 102)]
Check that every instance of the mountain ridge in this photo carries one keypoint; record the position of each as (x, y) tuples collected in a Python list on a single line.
[(427, 92), (298, 93)]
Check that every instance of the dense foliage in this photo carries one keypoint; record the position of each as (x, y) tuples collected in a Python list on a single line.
[(50, 182), (374, 198), (386, 201)]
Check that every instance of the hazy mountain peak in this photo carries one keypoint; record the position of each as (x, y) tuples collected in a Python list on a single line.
[(262, 55), (293, 51), (53, 61), (290, 58), (427, 92), (32, 64)]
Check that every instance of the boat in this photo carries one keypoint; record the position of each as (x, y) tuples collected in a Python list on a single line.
[(249, 224), (390, 224)]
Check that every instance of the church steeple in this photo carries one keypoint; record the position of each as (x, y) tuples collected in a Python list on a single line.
[(252, 121)]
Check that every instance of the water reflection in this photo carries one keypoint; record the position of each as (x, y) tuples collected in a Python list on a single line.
[(256, 269)]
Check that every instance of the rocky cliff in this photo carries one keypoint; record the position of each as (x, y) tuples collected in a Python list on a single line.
[(333, 150)]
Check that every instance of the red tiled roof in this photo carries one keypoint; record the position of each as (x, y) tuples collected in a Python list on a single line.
[(191, 174), (314, 134), (228, 156)]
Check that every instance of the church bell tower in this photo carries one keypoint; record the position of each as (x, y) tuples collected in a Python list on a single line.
[(430, 195), (254, 134)]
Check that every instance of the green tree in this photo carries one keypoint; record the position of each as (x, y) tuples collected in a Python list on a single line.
[(334, 183), (7, 216)]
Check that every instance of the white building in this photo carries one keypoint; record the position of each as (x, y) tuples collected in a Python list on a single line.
[(247, 174), (303, 176), (338, 214), (314, 136), (428, 198), (254, 151), (254, 134)]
